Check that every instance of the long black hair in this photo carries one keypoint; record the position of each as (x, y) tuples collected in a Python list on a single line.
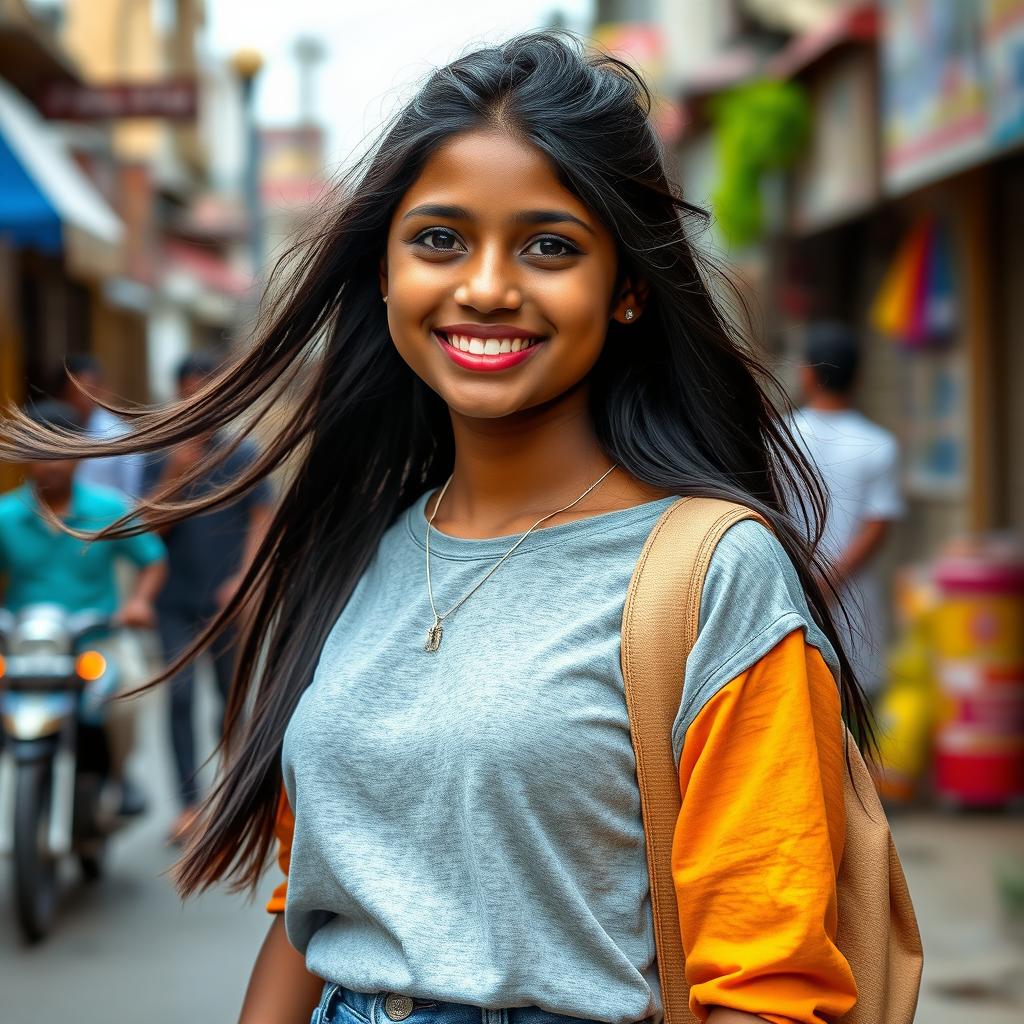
[(678, 401)]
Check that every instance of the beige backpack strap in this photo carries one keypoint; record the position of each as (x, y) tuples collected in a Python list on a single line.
[(657, 637)]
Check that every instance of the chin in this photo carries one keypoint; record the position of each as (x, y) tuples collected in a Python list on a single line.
[(470, 403)]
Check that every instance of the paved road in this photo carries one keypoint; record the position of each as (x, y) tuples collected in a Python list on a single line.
[(126, 950), (974, 956)]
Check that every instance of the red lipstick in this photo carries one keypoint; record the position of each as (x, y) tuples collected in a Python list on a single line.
[(450, 344)]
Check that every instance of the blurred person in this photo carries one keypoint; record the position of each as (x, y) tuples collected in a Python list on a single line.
[(40, 563), (207, 555), (506, 364), (858, 462), (123, 473)]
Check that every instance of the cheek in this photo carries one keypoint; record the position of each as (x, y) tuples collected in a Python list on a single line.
[(577, 304), (414, 286)]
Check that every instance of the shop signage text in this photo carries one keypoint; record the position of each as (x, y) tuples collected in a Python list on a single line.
[(173, 100)]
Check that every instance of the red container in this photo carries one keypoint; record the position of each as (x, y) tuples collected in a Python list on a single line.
[(979, 647)]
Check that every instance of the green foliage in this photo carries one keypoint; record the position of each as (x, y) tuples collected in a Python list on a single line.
[(759, 127)]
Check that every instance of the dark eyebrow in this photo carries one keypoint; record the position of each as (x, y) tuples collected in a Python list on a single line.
[(550, 217), (526, 217), (439, 210)]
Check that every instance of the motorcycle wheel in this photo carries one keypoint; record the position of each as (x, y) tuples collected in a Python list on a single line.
[(35, 868)]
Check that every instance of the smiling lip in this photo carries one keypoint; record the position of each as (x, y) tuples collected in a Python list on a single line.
[(482, 361)]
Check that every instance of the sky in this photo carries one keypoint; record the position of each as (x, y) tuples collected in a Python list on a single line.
[(375, 51)]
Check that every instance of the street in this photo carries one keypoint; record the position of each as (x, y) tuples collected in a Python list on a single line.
[(974, 970), (127, 948), (127, 945)]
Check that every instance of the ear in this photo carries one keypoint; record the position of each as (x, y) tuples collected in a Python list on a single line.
[(632, 295), (382, 276)]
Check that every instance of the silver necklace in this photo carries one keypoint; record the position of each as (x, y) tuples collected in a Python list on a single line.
[(436, 631)]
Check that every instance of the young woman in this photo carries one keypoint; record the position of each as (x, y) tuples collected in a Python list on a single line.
[(508, 363)]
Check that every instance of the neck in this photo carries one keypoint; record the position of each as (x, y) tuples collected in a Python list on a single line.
[(826, 401), (520, 466)]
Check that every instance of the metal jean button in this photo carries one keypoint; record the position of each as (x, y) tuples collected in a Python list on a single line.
[(397, 1007)]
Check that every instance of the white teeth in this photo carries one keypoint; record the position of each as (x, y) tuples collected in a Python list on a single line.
[(489, 346)]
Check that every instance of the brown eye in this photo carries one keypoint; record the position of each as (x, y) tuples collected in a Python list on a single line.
[(443, 240), (552, 247)]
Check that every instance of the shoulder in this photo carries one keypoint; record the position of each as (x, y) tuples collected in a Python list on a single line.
[(751, 594), (752, 599), (748, 555), (12, 503), (867, 430), (98, 502)]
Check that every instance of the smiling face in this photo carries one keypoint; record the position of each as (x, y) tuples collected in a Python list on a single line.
[(499, 280)]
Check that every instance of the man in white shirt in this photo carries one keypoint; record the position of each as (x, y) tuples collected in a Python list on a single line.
[(122, 473), (858, 462)]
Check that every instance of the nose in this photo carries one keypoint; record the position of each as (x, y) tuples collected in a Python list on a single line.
[(490, 284)]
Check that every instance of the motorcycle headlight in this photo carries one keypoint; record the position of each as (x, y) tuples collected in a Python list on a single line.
[(90, 666)]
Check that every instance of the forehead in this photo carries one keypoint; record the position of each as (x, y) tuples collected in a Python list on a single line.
[(493, 173)]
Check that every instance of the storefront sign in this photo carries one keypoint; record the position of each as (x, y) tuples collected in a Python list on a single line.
[(952, 85), (171, 100), (1004, 45), (936, 118)]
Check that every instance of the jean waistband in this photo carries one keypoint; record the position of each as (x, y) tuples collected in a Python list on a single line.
[(339, 1005)]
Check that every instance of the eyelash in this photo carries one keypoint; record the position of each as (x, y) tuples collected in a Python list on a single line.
[(572, 249)]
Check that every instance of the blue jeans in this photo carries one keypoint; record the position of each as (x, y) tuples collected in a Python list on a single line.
[(342, 1006)]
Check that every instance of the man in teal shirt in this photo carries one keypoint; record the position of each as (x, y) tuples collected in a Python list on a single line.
[(40, 563)]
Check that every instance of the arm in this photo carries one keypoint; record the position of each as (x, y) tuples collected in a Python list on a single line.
[(138, 609), (881, 503), (147, 552), (867, 540), (281, 990), (758, 844), (260, 516)]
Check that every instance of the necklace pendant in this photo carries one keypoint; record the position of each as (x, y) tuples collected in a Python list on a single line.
[(434, 635)]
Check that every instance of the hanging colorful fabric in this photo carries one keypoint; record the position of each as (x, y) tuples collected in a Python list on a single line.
[(915, 305), (940, 309), (893, 307)]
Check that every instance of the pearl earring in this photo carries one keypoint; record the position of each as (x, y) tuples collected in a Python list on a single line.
[(384, 297), (629, 312)]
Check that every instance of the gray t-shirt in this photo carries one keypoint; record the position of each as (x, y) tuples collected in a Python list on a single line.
[(467, 822)]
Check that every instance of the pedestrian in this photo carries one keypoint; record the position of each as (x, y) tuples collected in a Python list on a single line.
[(207, 554), (858, 462), (122, 473), (505, 362), (40, 564)]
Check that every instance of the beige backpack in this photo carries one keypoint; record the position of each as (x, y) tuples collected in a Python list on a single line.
[(877, 930)]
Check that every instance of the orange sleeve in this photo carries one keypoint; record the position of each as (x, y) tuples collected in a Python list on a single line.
[(284, 829), (759, 840)]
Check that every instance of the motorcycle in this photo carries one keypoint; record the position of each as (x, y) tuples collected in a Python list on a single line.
[(56, 800)]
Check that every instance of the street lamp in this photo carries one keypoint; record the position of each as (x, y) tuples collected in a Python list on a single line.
[(246, 64)]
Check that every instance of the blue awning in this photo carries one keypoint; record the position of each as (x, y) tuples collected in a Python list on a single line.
[(26, 217), (42, 190)]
